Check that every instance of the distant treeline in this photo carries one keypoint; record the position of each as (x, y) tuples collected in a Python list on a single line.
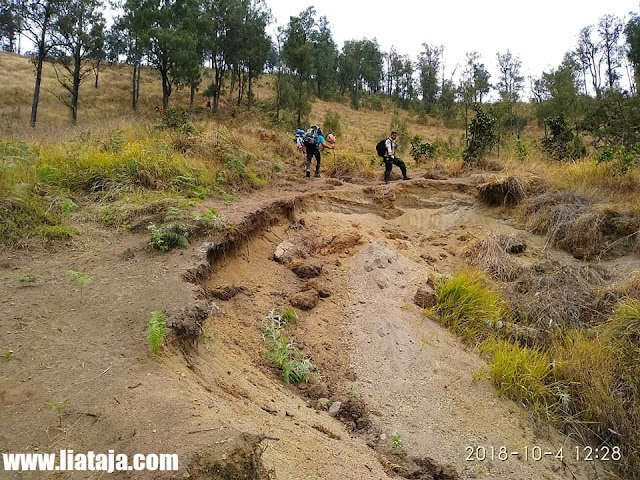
[(179, 38)]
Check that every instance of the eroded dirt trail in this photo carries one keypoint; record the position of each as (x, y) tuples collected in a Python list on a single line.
[(371, 341)]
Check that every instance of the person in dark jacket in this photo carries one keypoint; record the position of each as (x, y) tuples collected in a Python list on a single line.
[(390, 158), (313, 144)]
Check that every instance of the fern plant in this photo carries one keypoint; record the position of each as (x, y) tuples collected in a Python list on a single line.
[(168, 235), (157, 330), (208, 219)]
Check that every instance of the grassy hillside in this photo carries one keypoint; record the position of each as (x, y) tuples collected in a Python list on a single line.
[(116, 165)]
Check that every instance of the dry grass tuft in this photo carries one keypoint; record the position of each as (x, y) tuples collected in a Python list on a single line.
[(575, 225), (550, 295), (493, 255), (503, 191)]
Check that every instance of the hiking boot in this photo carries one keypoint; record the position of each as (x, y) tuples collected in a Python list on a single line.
[(317, 175), (308, 173), (407, 178)]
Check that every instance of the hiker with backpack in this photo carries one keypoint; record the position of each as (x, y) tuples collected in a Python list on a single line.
[(387, 150), (313, 141), (299, 139)]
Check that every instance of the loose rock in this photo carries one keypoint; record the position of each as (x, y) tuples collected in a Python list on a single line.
[(304, 300), (306, 269)]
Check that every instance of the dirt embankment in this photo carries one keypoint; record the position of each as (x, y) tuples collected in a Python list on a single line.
[(408, 399)]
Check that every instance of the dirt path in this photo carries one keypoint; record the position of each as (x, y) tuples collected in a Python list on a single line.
[(215, 403)]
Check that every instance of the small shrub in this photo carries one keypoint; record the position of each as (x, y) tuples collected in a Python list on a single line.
[(400, 124), (208, 219), (522, 151), (331, 123), (289, 316), (178, 119), (29, 279), (114, 143), (563, 143), (483, 136), (396, 441), (619, 158), (156, 330), (59, 408), (285, 355), (67, 206), (79, 278), (421, 151)]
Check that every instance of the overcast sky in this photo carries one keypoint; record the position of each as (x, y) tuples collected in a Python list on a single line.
[(538, 32)]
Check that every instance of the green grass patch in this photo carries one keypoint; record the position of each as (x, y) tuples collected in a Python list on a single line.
[(56, 232), (466, 306), (525, 375)]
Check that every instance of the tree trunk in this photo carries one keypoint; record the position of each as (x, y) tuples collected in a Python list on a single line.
[(278, 92), (138, 84), (75, 88), (166, 90), (42, 53), (240, 86), (233, 80), (134, 87), (193, 94), (97, 72), (36, 90), (249, 92)]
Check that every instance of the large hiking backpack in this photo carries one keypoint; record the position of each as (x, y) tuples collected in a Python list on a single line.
[(381, 148), (311, 135)]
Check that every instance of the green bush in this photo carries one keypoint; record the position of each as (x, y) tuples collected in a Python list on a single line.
[(620, 158), (483, 136), (421, 151), (563, 143), (331, 123)]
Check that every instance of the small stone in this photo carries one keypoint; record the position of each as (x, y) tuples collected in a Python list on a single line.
[(226, 292), (306, 269), (286, 252), (334, 409), (425, 297), (304, 300), (383, 437), (319, 287)]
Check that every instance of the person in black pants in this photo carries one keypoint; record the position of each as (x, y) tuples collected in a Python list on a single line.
[(313, 150), (390, 158)]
